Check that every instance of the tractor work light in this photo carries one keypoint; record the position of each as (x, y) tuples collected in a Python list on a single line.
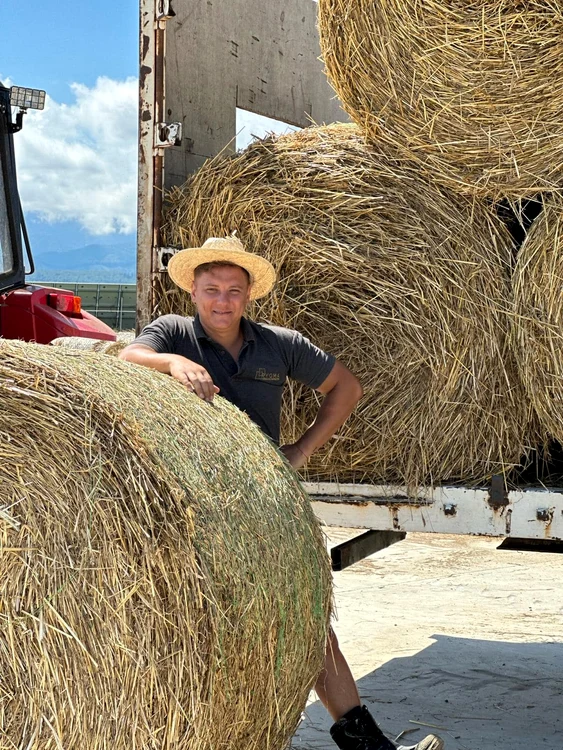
[(27, 98)]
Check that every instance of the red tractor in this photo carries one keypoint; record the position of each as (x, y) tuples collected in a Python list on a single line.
[(28, 312)]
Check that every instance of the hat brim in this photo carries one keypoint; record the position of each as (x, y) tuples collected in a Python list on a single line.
[(182, 265)]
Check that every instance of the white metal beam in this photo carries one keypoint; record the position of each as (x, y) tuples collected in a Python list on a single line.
[(531, 514)]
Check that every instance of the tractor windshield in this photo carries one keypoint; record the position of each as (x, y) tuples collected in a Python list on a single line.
[(12, 270), (6, 253)]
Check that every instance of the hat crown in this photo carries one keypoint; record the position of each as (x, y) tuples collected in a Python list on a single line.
[(224, 243), (182, 265)]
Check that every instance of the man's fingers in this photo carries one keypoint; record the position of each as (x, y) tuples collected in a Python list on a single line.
[(207, 385), (184, 380), (197, 385), (197, 381), (294, 455), (202, 385)]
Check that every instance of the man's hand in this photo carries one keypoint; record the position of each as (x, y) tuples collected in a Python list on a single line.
[(195, 377), (294, 455)]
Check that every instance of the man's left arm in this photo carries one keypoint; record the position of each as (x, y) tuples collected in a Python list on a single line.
[(342, 390)]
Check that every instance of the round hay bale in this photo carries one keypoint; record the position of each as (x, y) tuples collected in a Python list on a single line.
[(538, 329), (471, 91), (163, 582), (405, 282), (124, 338), (80, 343)]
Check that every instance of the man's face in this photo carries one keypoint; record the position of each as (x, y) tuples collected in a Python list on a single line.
[(221, 295)]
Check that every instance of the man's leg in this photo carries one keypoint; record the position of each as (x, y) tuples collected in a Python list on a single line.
[(354, 728), (335, 685)]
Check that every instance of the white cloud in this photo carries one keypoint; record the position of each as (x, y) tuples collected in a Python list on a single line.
[(78, 162)]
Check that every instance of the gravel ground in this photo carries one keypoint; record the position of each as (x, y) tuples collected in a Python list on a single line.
[(451, 635)]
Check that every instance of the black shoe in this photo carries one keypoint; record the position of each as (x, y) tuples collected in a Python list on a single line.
[(357, 730)]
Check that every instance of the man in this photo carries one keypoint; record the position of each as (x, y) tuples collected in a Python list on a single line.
[(220, 351)]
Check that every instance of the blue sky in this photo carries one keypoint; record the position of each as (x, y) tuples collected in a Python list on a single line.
[(77, 160), (49, 45), (85, 55)]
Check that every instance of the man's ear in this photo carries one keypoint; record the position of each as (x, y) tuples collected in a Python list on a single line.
[(192, 291)]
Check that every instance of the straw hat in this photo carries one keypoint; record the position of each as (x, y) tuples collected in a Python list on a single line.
[(181, 266)]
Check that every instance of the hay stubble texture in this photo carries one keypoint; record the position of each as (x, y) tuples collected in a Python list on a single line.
[(163, 583), (538, 321), (406, 282), (469, 90)]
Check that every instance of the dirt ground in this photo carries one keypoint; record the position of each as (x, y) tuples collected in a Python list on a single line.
[(451, 635)]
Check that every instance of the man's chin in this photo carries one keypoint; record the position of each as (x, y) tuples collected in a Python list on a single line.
[(220, 321), (223, 317)]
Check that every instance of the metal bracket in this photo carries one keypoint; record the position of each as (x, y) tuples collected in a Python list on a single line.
[(16, 126), (532, 545), (168, 134), (545, 515), (164, 10), (163, 255), (498, 494), (354, 550)]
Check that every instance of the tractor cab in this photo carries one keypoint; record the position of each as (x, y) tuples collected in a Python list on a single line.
[(28, 312), (12, 270)]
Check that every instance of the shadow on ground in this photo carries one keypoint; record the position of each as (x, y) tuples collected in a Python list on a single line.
[(483, 695)]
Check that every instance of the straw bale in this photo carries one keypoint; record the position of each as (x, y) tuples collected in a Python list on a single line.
[(538, 330), (471, 91), (123, 339), (163, 583), (407, 283)]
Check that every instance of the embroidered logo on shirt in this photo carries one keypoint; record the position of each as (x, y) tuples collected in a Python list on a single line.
[(261, 374)]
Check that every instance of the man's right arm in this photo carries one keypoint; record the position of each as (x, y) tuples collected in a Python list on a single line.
[(191, 374)]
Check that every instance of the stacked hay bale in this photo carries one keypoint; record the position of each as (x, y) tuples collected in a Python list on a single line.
[(81, 343), (470, 91), (162, 580), (538, 328), (406, 282), (472, 94), (370, 250)]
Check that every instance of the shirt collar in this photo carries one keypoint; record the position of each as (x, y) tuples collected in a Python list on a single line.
[(247, 332), (198, 329)]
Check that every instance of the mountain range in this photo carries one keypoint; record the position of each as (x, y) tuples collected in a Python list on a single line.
[(95, 263)]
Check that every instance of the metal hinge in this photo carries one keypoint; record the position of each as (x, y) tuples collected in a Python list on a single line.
[(168, 134), (163, 255), (164, 10)]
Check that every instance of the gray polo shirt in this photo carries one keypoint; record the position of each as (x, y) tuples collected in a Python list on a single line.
[(269, 355)]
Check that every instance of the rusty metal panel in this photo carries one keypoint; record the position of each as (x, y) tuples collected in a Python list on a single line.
[(145, 197), (199, 61), (256, 55), (527, 514), (156, 134)]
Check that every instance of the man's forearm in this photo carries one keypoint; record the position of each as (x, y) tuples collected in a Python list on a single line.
[(191, 374), (335, 409), (144, 355)]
